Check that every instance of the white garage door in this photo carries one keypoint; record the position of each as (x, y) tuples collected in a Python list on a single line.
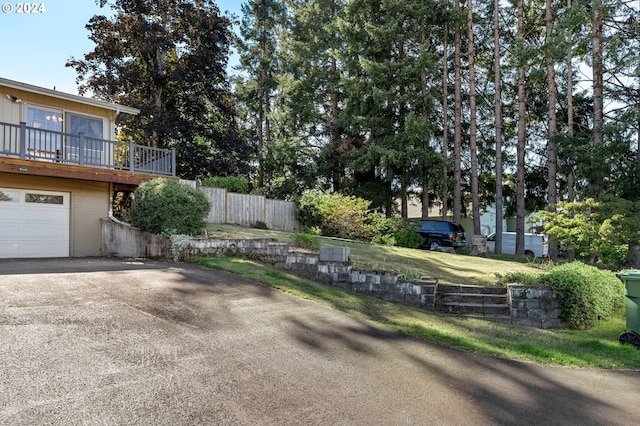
[(34, 223)]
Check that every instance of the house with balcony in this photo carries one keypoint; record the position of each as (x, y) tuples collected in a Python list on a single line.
[(60, 164)]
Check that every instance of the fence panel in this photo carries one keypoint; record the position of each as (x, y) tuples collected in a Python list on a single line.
[(247, 210), (244, 209), (218, 199), (281, 215)]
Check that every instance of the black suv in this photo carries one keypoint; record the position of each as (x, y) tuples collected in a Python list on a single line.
[(438, 233)]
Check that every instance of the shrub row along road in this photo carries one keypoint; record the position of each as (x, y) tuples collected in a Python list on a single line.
[(100, 341)]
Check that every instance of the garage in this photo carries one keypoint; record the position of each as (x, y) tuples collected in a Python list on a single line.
[(34, 223)]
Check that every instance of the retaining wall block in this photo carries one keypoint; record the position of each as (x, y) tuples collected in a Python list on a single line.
[(357, 277), (389, 278), (343, 276), (393, 297), (519, 304), (428, 301), (519, 313), (539, 314), (334, 254), (343, 285), (373, 277), (412, 299)]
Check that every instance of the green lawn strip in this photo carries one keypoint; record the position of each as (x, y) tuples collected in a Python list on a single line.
[(597, 348), (410, 263)]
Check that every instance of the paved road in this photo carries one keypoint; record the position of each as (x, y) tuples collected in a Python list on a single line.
[(99, 341)]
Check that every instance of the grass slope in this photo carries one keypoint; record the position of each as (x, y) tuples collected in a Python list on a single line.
[(596, 348), (412, 263)]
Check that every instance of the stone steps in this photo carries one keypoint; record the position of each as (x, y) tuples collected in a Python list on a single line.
[(474, 301)]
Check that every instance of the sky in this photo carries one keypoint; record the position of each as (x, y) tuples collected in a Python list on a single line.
[(36, 46)]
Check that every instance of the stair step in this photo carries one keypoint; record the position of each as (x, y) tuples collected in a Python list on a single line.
[(473, 298), (473, 308), (503, 319), (470, 289)]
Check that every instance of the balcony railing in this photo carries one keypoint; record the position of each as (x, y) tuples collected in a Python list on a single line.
[(19, 140)]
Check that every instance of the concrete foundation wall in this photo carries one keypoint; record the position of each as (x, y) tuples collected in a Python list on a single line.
[(122, 240)]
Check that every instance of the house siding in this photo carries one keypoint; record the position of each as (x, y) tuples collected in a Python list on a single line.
[(11, 112), (90, 202)]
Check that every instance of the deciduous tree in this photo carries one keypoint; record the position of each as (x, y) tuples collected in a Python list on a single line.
[(168, 58)]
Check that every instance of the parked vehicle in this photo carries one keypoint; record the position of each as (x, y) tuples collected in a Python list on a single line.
[(438, 233), (534, 244)]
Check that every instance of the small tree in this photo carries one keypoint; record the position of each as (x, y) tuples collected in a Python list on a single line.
[(239, 184), (596, 229), (164, 206), (335, 215)]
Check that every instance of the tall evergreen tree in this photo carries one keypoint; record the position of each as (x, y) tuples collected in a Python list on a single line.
[(497, 71), (258, 60), (457, 133), (473, 153), (522, 136)]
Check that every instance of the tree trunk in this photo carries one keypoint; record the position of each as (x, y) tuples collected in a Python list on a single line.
[(335, 132), (260, 129), (457, 134), (498, 123), (520, 202), (475, 200), (596, 54), (445, 123), (424, 198), (633, 256), (552, 196), (571, 175)]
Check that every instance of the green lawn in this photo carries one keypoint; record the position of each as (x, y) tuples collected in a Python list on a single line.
[(412, 263), (595, 348)]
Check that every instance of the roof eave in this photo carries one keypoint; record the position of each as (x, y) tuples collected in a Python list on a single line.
[(68, 97)]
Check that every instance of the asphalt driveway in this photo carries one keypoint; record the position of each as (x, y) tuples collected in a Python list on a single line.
[(104, 341)]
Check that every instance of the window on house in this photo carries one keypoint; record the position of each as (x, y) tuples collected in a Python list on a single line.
[(92, 129), (44, 199), (10, 196), (44, 133)]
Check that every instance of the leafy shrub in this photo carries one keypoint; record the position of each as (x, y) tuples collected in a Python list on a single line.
[(164, 206), (180, 246), (394, 231), (239, 184), (306, 241), (520, 278), (586, 294), (384, 240), (336, 215)]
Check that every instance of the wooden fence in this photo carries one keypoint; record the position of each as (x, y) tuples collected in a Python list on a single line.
[(248, 210)]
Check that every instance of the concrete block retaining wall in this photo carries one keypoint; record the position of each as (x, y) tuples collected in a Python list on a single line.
[(529, 305), (331, 266), (534, 306)]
